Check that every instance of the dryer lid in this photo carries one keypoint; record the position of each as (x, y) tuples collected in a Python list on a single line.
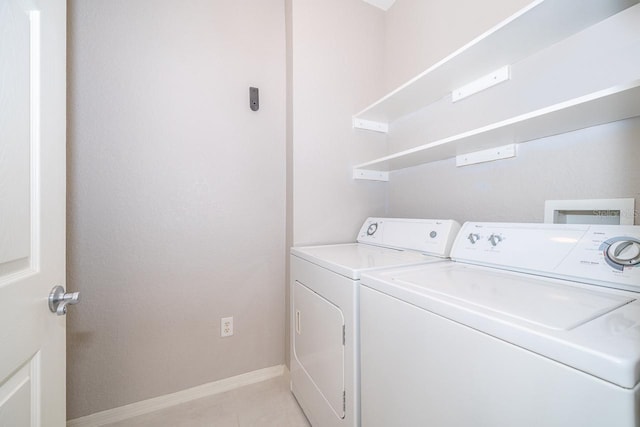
[(350, 259)]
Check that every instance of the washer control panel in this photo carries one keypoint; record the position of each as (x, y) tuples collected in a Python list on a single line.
[(607, 255), (431, 236), (494, 239)]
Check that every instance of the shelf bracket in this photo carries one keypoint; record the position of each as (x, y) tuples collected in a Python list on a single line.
[(485, 82), (370, 125), (370, 175), (497, 153)]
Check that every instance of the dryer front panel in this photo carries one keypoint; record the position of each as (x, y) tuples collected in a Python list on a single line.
[(318, 344)]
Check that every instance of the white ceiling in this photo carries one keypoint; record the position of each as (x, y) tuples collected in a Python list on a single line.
[(382, 4)]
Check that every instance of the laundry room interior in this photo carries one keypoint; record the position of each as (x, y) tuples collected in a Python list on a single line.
[(183, 203)]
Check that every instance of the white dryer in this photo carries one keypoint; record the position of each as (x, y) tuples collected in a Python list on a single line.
[(530, 325), (324, 308)]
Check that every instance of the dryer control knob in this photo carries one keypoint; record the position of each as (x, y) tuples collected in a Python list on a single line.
[(372, 229), (625, 252)]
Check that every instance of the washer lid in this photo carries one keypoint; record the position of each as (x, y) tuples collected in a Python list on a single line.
[(519, 297), (350, 259)]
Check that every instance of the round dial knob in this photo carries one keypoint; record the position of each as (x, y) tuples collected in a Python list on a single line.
[(625, 252), (372, 229), (473, 238)]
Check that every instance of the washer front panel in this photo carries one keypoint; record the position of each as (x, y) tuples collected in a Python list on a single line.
[(456, 376), (601, 338)]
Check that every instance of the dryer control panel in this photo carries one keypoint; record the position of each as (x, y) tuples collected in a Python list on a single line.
[(607, 255), (430, 236)]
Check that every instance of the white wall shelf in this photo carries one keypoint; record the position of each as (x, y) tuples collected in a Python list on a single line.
[(540, 25), (605, 106), (507, 43)]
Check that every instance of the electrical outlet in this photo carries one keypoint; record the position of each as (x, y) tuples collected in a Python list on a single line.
[(226, 326)]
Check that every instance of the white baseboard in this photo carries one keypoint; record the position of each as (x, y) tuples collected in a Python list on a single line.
[(144, 407)]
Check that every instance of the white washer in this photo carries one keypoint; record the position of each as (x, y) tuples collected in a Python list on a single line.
[(324, 308), (530, 325)]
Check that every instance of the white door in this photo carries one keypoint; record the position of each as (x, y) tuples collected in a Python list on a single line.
[(32, 211)]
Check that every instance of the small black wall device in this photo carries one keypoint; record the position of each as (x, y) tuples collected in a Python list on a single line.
[(254, 100)]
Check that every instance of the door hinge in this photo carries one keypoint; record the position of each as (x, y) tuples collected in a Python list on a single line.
[(344, 401), (344, 339)]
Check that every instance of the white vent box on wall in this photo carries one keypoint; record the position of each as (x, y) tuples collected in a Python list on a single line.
[(590, 211)]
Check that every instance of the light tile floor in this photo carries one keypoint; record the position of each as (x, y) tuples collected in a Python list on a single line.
[(265, 404)]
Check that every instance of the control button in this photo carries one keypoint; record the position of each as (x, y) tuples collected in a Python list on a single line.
[(495, 239), (372, 229), (433, 234), (624, 252), (473, 238), (621, 252)]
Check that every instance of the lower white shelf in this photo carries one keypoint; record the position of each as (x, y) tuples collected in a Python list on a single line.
[(609, 105)]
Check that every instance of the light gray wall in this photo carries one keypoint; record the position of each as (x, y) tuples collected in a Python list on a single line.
[(334, 68), (600, 162), (176, 195), (337, 69), (595, 163)]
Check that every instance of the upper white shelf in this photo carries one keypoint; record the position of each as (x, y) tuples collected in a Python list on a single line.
[(507, 43), (605, 106)]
